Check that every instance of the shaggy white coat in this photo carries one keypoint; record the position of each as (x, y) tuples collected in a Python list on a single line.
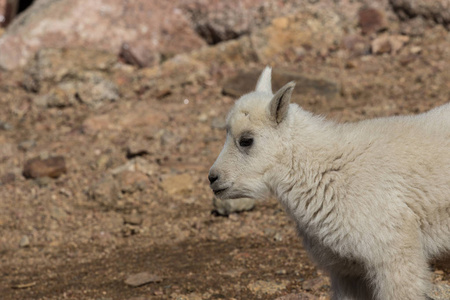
[(371, 199)]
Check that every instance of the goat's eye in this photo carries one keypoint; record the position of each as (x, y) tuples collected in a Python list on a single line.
[(245, 142)]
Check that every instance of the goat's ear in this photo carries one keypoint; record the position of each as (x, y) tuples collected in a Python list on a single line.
[(279, 105), (264, 82)]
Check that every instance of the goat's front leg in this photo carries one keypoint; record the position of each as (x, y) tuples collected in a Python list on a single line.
[(403, 276)]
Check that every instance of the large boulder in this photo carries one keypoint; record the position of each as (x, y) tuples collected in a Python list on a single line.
[(146, 33), (150, 28)]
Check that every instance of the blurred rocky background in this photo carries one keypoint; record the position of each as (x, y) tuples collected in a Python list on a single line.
[(111, 113)]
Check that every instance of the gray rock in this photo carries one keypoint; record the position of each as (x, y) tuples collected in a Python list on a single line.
[(27, 145), (5, 126), (218, 123), (24, 242), (142, 278), (105, 192), (96, 90), (136, 164), (226, 207)]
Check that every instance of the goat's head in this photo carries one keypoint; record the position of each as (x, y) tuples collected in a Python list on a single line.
[(256, 126)]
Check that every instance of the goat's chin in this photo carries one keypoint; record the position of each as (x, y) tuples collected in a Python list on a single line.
[(231, 193)]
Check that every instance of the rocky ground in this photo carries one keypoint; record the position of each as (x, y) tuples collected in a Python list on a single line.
[(103, 163)]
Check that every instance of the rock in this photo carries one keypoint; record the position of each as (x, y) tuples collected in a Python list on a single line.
[(191, 296), (234, 272), (301, 296), (414, 27), (136, 164), (137, 148), (5, 126), (388, 44), (58, 213), (218, 21), (219, 122), (133, 219), (314, 284), (27, 145), (180, 184), (61, 96), (50, 167), (6, 151), (183, 69), (105, 192), (415, 50), (129, 230), (67, 77), (278, 237), (132, 181), (24, 242), (267, 287), (96, 90), (202, 118), (142, 116), (319, 30), (104, 162), (135, 54), (440, 291), (244, 82), (56, 67), (7, 178), (227, 207), (356, 44), (106, 25), (142, 278), (435, 10), (94, 124), (43, 181), (371, 20)]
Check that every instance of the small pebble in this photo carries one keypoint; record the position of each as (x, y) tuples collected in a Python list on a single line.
[(24, 242)]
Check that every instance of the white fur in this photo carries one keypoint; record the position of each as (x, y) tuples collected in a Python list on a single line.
[(370, 199)]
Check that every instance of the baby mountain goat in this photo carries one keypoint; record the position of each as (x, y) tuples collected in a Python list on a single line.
[(371, 199)]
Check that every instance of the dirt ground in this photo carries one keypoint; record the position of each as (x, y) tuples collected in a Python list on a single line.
[(135, 195)]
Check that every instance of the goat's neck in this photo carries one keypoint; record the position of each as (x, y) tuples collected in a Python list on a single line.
[(307, 176)]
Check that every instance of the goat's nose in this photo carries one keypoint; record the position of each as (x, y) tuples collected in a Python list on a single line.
[(213, 177)]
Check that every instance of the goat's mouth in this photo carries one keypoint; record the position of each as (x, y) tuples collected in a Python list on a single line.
[(218, 192)]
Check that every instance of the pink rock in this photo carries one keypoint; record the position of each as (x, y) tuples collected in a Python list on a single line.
[(156, 26), (143, 32)]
